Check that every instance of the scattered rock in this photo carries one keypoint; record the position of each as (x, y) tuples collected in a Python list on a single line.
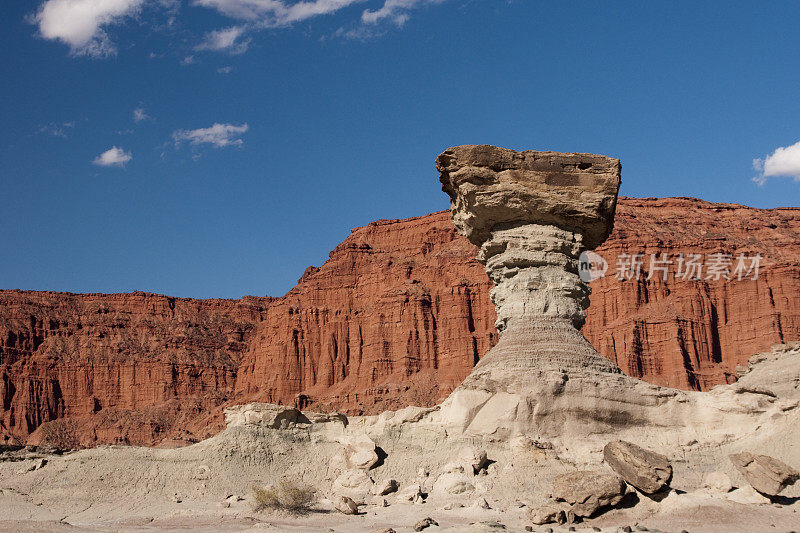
[(410, 492), (387, 486), (474, 458), (548, 513), (425, 523), (264, 415), (35, 465), (764, 473), (647, 471), (453, 468), (345, 505), (387, 530), (588, 490)]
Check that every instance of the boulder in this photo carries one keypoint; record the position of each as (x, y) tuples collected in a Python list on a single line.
[(360, 452), (587, 491), (764, 473), (345, 505), (647, 471)]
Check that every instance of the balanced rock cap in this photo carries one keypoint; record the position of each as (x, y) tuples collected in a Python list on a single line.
[(490, 187)]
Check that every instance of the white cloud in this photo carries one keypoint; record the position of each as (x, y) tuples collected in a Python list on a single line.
[(220, 135), (395, 11), (139, 115), (113, 157), (188, 60), (226, 40), (275, 13), (784, 161), (225, 70), (79, 23)]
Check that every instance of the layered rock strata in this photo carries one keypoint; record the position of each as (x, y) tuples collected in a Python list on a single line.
[(397, 316), (532, 213)]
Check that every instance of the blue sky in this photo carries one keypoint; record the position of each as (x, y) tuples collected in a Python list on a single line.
[(216, 148)]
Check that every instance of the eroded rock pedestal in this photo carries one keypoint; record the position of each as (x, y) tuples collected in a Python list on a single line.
[(532, 214)]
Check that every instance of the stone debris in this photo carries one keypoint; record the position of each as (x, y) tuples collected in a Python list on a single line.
[(646, 470), (410, 493), (473, 459), (551, 513), (345, 505), (588, 491), (764, 473), (425, 523)]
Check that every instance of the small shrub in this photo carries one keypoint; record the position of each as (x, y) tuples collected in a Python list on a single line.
[(288, 496)]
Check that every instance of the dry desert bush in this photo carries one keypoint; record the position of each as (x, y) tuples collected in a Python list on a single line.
[(287, 496)]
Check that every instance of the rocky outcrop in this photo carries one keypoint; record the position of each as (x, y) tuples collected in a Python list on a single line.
[(398, 315)]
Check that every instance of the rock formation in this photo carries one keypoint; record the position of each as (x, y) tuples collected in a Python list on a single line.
[(532, 417), (531, 214), (397, 316)]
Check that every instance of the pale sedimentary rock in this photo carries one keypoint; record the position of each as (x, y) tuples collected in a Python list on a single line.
[(646, 470), (764, 473), (531, 214), (588, 491)]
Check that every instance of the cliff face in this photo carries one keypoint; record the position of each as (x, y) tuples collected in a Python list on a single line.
[(399, 314), (136, 368), (692, 334)]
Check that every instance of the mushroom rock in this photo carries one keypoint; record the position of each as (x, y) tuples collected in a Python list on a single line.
[(532, 214)]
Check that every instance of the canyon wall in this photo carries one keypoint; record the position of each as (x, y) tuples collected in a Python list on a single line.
[(399, 314)]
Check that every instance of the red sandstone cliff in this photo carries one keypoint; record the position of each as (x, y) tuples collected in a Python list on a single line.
[(397, 315)]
